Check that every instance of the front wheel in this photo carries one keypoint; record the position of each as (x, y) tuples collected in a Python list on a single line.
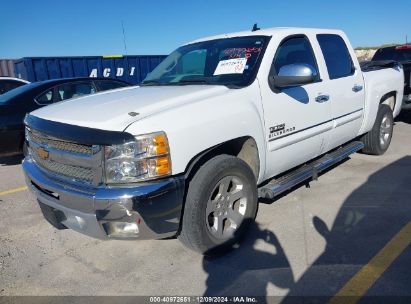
[(221, 201), (377, 141)]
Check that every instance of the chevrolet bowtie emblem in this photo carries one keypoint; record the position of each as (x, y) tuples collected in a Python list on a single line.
[(43, 153)]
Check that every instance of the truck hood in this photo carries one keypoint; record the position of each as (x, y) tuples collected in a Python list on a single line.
[(110, 110)]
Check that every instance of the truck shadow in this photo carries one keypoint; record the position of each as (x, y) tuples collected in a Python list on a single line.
[(303, 184), (246, 271), (367, 220)]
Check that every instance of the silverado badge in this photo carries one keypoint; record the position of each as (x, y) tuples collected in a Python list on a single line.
[(43, 153)]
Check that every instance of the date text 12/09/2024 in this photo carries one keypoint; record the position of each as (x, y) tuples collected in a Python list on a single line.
[(203, 299)]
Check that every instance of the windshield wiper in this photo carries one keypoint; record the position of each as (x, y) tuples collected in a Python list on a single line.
[(151, 82), (181, 82), (194, 80), (203, 81)]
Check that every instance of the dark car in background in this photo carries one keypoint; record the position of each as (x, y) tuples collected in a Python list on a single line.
[(10, 83), (401, 54), (16, 103)]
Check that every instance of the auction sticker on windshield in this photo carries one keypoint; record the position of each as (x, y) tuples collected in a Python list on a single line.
[(231, 66)]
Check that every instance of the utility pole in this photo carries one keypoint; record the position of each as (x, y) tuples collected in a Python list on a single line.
[(124, 38)]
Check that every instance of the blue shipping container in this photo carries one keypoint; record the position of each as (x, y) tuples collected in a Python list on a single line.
[(132, 69)]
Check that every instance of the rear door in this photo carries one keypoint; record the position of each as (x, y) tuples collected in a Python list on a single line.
[(345, 85), (296, 118)]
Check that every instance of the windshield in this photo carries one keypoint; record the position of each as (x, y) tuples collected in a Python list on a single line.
[(229, 61), (393, 54)]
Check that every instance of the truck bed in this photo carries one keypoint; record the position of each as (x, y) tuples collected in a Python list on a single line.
[(367, 66)]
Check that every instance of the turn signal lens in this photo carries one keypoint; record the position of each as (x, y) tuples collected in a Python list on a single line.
[(161, 144), (163, 165), (145, 158)]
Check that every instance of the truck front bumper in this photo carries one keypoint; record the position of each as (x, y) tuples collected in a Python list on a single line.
[(150, 210)]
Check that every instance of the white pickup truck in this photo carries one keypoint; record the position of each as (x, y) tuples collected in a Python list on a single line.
[(220, 123)]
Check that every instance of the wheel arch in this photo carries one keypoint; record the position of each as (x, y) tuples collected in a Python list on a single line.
[(244, 147), (389, 99)]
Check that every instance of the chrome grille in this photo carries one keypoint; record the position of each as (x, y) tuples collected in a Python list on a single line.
[(65, 159), (77, 173), (59, 144)]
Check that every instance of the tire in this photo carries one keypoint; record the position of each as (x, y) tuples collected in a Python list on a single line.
[(377, 141), (223, 189)]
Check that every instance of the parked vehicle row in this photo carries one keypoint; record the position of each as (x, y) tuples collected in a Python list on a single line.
[(220, 122), (16, 103)]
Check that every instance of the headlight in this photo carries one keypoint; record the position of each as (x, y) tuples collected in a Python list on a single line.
[(146, 158)]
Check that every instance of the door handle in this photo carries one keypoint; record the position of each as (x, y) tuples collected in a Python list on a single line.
[(322, 98), (356, 88)]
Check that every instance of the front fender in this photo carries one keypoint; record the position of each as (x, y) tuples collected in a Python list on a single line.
[(195, 127)]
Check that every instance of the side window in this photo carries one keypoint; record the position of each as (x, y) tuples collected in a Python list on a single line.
[(295, 50), (15, 84), (73, 90), (336, 56), (3, 87), (8, 85), (109, 85), (45, 98)]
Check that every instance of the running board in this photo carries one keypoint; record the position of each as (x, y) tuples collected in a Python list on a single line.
[(310, 170)]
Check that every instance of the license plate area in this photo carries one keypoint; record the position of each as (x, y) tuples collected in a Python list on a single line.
[(52, 194), (53, 216)]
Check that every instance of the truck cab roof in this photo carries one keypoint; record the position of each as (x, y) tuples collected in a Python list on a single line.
[(271, 32)]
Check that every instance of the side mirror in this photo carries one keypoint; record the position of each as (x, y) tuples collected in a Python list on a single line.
[(293, 75)]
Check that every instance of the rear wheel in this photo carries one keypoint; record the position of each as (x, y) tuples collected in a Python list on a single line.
[(377, 141), (221, 201)]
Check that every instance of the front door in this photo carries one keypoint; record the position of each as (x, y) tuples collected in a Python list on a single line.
[(296, 118)]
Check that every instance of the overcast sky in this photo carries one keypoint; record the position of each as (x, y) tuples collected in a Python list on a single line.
[(93, 27)]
